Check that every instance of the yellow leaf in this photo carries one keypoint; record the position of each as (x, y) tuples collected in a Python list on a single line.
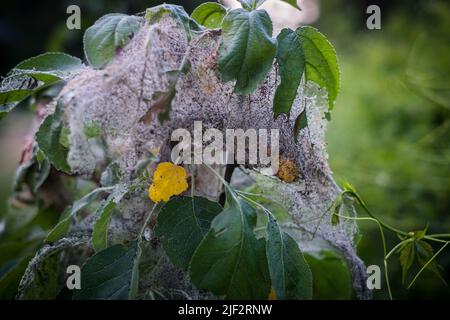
[(168, 180), (272, 295)]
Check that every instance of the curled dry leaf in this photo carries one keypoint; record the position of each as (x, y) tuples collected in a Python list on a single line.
[(287, 170)]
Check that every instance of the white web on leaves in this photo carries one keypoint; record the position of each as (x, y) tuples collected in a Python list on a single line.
[(118, 96), (309, 200), (18, 79)]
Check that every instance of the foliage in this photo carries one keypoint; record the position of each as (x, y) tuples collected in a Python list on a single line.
[(182, 224), (209, 15), (410, 242), (390, 138), (110, 274), (103, 214), (304, 51), (109, 33), (33, 75), (62, 227), (218, 246), (290, 273), (230, 261), (177, 13), (247, 48), (331, 276), (51, 140)]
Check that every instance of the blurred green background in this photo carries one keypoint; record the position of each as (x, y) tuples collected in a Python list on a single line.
[(389, 135)]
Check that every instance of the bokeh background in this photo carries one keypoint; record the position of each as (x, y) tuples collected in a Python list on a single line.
[(389, 135)]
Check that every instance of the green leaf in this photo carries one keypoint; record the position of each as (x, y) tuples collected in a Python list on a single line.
[(110, 274), (103, 214), (154, 15), (289, 272), (109, 33), (250, 5), (332, 279), (321, 61), (182, 224), (253, 4), (34, 74), (230, 261), (63, 225), (9, 99), (349, 188), (209, 15), (9, 282), (420, 234), (46, 283), (304, 51), (49, 137), (61, 228), (55, 63), (292, 3), (47, 69), (407, 255), (301, 122), (424, 253), (247, 49), (291, 61)]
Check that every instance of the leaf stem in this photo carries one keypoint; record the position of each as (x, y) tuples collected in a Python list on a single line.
[(366, 209), (397, 246), (440, 235), (267, 211), (433, 238), (192, 181), (225, 183), (146, 221)]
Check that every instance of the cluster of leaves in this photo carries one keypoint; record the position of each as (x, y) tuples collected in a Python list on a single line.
[(34, 75), (248, 50), (33, 81), (414, 247), (24, 242), (217, 245), (220, 250), (246, 55)]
